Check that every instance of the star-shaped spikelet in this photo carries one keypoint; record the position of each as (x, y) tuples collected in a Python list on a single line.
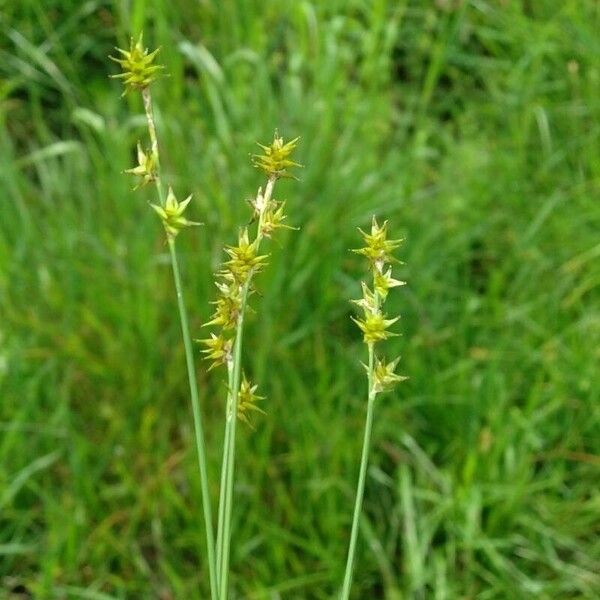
[(384, 376), (137, 65), (382, 282), (146, 167), (375, 327), (247, 400), (228, 304), (275, 159), (378, 248), (218, 349), (171, 214), (243, 258)]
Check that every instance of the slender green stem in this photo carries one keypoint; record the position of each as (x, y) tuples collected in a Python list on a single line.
[(147, 98), (362, 475), (228, 466), (225, 461), (189, 357), (200, 445), (360, 490), (229, 454)]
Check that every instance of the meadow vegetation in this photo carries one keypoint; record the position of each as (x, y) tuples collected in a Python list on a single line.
[(473, 127)]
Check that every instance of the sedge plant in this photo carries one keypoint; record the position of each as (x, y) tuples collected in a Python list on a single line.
[(381, 375), (138, 71), (234, 282)]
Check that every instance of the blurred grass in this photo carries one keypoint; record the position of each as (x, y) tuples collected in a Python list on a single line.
[(473, 126)]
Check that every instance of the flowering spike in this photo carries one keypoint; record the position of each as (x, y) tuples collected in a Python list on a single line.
[(146, 167), (171, 214), (382, 282), (247, 400), (381, 376), (274, 218), (378, 248), (228, 304), (368, 302), (244, 259), (138, 70), (218, 349), (274, 160), (374, 327), (384, 376)]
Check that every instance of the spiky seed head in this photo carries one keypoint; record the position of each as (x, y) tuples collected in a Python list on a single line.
[(274, 218), (368, 301), (137, 65), (247, 400), (171, 214), (384, 376), (243, 258), (275, 159), (375, 327), (378, 248), (218, 349), (226, 284), (146, 167), (226, 312), (228, 304), (382, 282)]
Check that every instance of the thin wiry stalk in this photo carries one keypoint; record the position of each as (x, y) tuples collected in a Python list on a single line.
[(224, 471), (228, 466), (360, 489), (229, 453), (189, 357)]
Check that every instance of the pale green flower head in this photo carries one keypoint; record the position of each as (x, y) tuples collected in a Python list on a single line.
[(384, 281), (171, 214), (226, 312), (275, 159), (218, 349), (378, 248), (137, 65), (146, 167), (247, 400), (375, 327), (243, 258), (274, 218), (384, 376), (368, 302)]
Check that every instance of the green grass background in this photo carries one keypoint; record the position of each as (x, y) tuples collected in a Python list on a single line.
[(474, 128)]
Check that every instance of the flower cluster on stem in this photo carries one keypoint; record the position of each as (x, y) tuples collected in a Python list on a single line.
[(381, 375), (138, 71), (234, 285), (234, 279), (374, 323)]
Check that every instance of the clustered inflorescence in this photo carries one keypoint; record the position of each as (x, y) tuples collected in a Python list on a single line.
[(275, 159), (374, 324), (146, 169), (234, 285), (171, 214), (233, 280), (138, 71)]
